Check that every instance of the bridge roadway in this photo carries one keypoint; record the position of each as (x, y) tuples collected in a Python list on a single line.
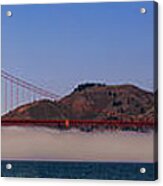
[(78, 123)]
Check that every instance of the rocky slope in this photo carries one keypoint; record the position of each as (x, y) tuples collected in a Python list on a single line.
[(93, 102)]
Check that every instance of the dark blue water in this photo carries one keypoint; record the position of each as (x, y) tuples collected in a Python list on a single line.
[(80, 170)]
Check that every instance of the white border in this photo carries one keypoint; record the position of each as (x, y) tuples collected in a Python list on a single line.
[(56, 182), (10, 2)]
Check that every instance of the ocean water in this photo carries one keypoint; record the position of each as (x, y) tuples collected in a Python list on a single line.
[(80, 170)]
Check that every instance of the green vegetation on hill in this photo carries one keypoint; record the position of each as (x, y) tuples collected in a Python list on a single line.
[(87, 85)]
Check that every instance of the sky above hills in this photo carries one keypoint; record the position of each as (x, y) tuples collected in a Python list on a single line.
[(60, 46)]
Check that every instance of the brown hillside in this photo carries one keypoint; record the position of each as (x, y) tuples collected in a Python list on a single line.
[(100, 102)]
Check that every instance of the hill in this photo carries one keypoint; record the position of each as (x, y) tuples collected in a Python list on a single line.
[(93, 102)]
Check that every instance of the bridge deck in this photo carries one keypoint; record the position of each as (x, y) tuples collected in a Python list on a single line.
[(76, 123)]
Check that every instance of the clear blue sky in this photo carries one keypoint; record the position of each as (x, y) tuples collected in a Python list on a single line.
[(59, 46)]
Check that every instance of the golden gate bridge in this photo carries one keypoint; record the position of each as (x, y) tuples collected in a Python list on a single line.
[(17, 91)]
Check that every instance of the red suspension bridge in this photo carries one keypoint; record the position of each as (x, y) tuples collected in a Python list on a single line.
[(16, 92)]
